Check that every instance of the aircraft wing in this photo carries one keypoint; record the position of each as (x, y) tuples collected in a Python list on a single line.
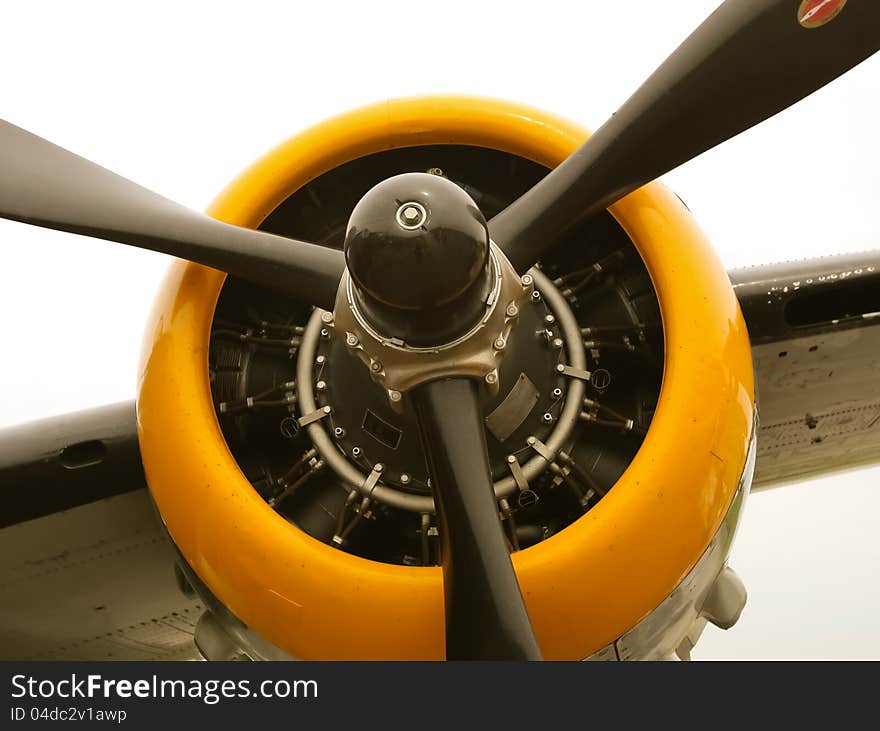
[(86, 570), (815, 331)]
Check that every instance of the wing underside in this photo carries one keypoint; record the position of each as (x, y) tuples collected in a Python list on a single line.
[(86, 570), (815, 331), (96, 582)]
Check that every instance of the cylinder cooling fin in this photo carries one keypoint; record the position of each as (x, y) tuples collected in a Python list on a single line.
[(618, 424)]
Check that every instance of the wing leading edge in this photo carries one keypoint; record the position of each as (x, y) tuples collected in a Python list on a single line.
[(71, 460)]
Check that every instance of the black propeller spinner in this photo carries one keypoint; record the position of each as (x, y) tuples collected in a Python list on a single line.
[(748, 61), (417, 248)]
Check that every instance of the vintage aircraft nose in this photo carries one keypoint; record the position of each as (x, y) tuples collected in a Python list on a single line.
[(417, 249)]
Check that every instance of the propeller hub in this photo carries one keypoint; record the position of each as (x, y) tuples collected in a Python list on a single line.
[(417, 250)]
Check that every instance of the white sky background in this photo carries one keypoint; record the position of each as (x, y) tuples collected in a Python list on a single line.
[(181, 96)]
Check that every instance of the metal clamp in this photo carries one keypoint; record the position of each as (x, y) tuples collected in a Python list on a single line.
[(307, 419), (519, 476), (572, 372), (541, 449), (372, 479)]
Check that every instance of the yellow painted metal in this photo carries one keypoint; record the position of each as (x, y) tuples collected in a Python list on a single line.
[(584, 586)]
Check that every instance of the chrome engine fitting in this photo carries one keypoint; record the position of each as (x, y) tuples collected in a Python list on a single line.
[(528, 424), (399, 366), (314, 404)]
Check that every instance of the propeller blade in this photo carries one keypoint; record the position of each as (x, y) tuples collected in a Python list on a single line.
[(45, 185), (749, 60), (486, 618)]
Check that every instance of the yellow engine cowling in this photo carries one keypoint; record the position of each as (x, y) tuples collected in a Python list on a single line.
[(585, 586)]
